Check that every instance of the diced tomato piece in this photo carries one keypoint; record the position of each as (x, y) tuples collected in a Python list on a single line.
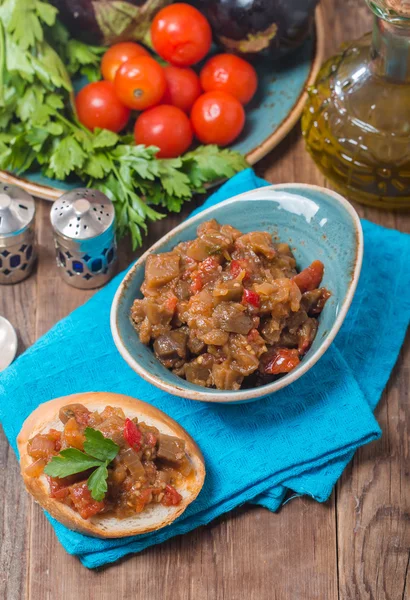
[(132, 434), (236, 268), (143, 499), (171, 496), (171, 303), (310, 278), (150, 439), (281, 360), (83, 502), (250, 297), (60, 486), (197, 283)]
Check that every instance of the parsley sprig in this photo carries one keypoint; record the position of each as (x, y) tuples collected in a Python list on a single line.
[(38, 125), (98, 453)]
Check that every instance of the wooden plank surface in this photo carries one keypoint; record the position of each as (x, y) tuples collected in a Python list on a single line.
[(356, 546)]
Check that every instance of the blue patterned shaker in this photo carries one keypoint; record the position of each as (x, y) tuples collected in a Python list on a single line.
[(84, 233)]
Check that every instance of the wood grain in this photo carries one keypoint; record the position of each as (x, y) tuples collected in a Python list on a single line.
[(354, 547)]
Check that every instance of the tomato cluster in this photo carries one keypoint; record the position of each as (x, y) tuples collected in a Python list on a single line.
[(174, 102)]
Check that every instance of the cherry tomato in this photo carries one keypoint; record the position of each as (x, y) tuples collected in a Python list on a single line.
[(119, 54), (140, 83), (183, 87), (98, 106), (181, 34), (166, 127), (232, 74), (217, 118)]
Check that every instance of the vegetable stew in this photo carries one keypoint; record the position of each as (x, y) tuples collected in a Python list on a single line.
[(229, 310)]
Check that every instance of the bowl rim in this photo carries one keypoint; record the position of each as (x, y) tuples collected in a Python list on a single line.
[(247, 395)]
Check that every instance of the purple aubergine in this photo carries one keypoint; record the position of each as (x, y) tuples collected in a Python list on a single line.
[(107, 22), (251, 27)]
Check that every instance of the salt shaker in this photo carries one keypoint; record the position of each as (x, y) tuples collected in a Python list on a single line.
[(84, 234), (17, 247)]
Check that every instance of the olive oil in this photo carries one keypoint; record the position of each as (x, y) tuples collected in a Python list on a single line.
[(356, 122)]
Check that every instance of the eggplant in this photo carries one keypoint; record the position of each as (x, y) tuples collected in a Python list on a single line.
[(252, 27), (107, 22)]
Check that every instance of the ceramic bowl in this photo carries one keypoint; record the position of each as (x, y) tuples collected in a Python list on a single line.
[(317, 223)]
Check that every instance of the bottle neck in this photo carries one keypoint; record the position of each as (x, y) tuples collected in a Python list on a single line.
[(391, 50)]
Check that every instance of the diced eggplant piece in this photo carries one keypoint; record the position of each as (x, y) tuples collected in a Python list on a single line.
[(314, 301), (130, 459), (195, 345), (229, 290), (171, 449), (171, 347), (160, 269), (198, 371), (225, 378), (182, 290), (78, 411), (232, 318), (258, 241), (215, 337), (306, 334)]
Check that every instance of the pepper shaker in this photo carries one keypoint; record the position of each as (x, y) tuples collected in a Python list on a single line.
[(84, 234), (17, 248)]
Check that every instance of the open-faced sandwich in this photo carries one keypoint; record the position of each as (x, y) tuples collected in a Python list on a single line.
[(108, 465)]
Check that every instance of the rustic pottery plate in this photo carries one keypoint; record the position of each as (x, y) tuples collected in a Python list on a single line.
[(269, 118), (317, 223)]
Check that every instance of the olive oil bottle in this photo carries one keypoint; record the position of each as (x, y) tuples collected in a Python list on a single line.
[(356, 122)]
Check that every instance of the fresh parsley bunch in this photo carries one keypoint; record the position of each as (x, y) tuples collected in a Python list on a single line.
[(38, 125), (98, 453)]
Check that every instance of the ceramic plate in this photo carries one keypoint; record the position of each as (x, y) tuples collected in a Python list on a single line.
[(269, 118)]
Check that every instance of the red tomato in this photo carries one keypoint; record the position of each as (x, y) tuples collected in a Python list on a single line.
[(231, 74), (166, 127), (98, 106), (132, 434), (119, 54), (140, 83), (217, 118), (183, 87), (181, 34)]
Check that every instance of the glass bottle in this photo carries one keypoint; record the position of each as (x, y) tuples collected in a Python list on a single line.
[(356, 122)]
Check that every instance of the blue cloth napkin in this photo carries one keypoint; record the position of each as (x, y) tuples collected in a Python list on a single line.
[(299, 439)]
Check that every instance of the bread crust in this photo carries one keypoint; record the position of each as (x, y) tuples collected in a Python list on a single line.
[(45, 417)]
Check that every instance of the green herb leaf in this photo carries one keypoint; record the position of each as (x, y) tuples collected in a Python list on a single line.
[(70, 462), (98, 446), (97, 483)]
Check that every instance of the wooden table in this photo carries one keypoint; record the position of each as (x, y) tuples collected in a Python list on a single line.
[(356, 546)]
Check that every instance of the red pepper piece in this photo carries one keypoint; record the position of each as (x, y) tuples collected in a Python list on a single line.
[(282, 360), (250, 297), (236, 268), (132, 435), (310, 278)]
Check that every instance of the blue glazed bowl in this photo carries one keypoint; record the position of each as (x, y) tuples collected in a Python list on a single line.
[(316, 222)]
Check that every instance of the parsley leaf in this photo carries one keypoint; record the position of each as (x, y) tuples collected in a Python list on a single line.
[(97, 483), (98, 446), (69, 462), (99, 452)]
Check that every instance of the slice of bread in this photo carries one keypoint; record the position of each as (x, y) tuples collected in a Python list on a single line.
[(155, 516)]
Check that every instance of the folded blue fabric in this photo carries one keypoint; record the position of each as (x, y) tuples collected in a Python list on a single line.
[(299, 439)]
